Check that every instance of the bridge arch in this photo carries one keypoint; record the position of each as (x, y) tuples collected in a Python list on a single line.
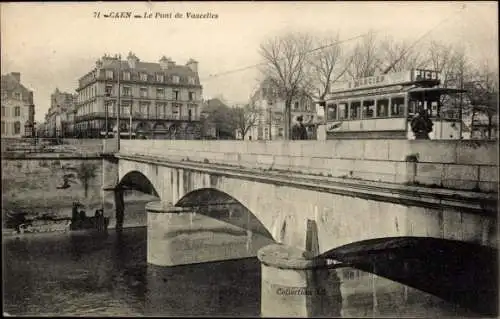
[(459, 272), (218, 204), (138, 181)]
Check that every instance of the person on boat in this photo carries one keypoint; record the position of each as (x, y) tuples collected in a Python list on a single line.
[(74, 212)]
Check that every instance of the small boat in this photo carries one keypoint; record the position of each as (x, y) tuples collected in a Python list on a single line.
[(80, 221), (45, 225)]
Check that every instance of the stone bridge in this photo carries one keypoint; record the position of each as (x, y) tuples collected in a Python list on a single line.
[(320, 201)]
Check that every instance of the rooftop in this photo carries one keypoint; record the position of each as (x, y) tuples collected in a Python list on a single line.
[(10, 83)]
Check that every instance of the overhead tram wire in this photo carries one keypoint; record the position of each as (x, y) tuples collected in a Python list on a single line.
[(212, 76), (421, 37)]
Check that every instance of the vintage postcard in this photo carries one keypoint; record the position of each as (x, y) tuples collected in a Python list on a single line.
[(250, 159)]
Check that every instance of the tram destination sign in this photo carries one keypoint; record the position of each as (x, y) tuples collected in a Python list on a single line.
[(388, 79), (422, 75)]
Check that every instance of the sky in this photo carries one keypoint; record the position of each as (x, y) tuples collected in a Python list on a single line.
[(53, 44)]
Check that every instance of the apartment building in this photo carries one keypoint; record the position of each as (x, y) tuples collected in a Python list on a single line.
[(59, 121), (271, 122), (157, 100), (18, 109)]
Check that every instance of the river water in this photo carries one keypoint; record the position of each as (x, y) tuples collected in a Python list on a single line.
[(87, 275)]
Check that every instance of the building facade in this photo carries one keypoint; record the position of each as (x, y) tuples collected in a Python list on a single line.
[(271, 118), (18, 109), (58, 118), (158, 100)]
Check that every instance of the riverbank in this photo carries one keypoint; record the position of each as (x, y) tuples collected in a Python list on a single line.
[(11, 234)]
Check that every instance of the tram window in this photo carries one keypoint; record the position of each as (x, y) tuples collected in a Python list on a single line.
[(332, 112), (368, 108), (414, 107), (343, 111), (397, 106), (382, 108), (355, 110), (434, 112)]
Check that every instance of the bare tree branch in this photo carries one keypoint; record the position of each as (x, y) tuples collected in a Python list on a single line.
[(325, 67), (285, 67), (365, 58)]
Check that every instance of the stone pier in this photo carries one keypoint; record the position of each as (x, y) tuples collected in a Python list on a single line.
[(182, 236), (294, 284)]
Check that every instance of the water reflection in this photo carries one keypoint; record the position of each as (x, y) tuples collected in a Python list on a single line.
[(79, 274)]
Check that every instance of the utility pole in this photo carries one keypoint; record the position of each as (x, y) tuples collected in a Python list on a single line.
[(119, 103), (270, 122), (461, 101)]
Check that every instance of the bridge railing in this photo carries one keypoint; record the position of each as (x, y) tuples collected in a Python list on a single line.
[(450, 164), (50, 145)]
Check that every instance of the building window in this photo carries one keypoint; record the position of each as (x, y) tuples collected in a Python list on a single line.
[(108, 108), (125, 109), (17, 95), (175, 79), (17, 111), (191, 96), (108, 90), (280, 132), (144, 76), (4, 111), (126, 76), (143, 109), (3, 127), (127, 91), (144, 92), (296, 106), (17, 127), (160, 110), (191, 80), (175, 111), (159, 78), (109, 74), (160, 93), (176, 95)]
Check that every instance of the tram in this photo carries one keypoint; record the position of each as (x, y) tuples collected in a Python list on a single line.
[(382, 107)]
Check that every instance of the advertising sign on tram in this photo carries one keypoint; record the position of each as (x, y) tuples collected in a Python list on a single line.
[(388, 79)]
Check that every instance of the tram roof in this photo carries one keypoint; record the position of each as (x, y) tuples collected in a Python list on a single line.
[(436, 90)]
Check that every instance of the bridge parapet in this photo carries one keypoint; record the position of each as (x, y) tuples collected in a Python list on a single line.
[(466, 165), (110, 146)]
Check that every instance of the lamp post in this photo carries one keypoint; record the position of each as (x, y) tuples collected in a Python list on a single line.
[(130, 123), (119, 104)]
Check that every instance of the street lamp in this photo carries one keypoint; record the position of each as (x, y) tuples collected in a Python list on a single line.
[(119, 102)]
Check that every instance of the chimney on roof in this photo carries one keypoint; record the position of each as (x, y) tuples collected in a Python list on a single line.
[(17, 76), (193, 65), (164, 62), (170, 63), (132, 60)]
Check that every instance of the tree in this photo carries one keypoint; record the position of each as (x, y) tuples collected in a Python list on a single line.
[(285, 59), (398, 56), (85, 173), (482, 92), (326, 66), (222, 117), (365, 57), (245, 118)]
